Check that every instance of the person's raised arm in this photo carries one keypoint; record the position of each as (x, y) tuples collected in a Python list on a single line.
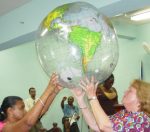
[(32, 116), (102, 119), (51, 98), (62, 102), (87, 114)]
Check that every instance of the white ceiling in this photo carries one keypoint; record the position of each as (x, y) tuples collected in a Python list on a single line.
[(9, 5), (19, 19)]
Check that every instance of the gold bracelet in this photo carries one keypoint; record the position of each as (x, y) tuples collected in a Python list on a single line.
[(41, 102), (92, 98)]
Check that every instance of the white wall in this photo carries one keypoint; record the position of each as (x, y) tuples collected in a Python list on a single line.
[(144, 36), (131, 53), (128, 67)]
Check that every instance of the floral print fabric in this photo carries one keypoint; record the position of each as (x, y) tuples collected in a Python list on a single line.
[(124, 121)]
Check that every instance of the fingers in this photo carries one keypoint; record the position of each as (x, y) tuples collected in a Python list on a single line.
[(88, 84), (87, 80), (78, 93), (59, 87), (83, 83), (92, 79), (96, 84), (54, 77)]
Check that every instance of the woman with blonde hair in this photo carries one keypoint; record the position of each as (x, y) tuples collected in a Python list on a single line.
[(135, 116), (143, 94)]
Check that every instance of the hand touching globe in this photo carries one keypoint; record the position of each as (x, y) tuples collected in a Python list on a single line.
[(76, 40)]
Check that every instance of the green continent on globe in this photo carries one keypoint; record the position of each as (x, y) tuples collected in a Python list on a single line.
[(87, 40), (57, 13)]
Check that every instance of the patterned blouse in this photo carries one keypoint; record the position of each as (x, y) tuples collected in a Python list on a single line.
[(124, 121)]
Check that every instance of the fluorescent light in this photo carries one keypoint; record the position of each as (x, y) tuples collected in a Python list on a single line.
[(141, 16)]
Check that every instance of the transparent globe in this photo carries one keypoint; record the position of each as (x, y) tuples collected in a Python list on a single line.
[(75, 40)]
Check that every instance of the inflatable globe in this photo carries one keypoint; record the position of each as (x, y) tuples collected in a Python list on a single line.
[(75, 40)]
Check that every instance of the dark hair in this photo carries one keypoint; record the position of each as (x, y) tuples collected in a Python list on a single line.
[(8, 101), (31, 88), (55, 124), (110, 77)]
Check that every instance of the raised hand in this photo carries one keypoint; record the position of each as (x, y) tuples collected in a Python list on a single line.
[(64, 98), (54, 84), (58, 88), (89, 86), (78, 93)]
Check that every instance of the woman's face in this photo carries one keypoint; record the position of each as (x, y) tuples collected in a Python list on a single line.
[(19, 110), (130, 100), (108, 83)]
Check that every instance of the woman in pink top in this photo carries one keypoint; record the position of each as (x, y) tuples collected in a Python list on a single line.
[(14, 118), (1, 125)]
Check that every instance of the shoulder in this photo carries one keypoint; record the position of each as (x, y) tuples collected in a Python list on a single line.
[(28, 99), (118, 114), (114, 89), (2, 124)]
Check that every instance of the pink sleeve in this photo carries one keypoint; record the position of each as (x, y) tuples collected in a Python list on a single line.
[(1, 126)]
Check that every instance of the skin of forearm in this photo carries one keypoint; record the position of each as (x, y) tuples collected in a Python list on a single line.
[(32, 116), (88, 116), (102, 119), (48, 103)]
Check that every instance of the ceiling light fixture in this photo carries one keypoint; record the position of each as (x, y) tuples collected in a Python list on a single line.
[(141, 16)]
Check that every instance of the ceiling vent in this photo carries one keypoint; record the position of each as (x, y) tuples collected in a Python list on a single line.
[(125, 37)]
